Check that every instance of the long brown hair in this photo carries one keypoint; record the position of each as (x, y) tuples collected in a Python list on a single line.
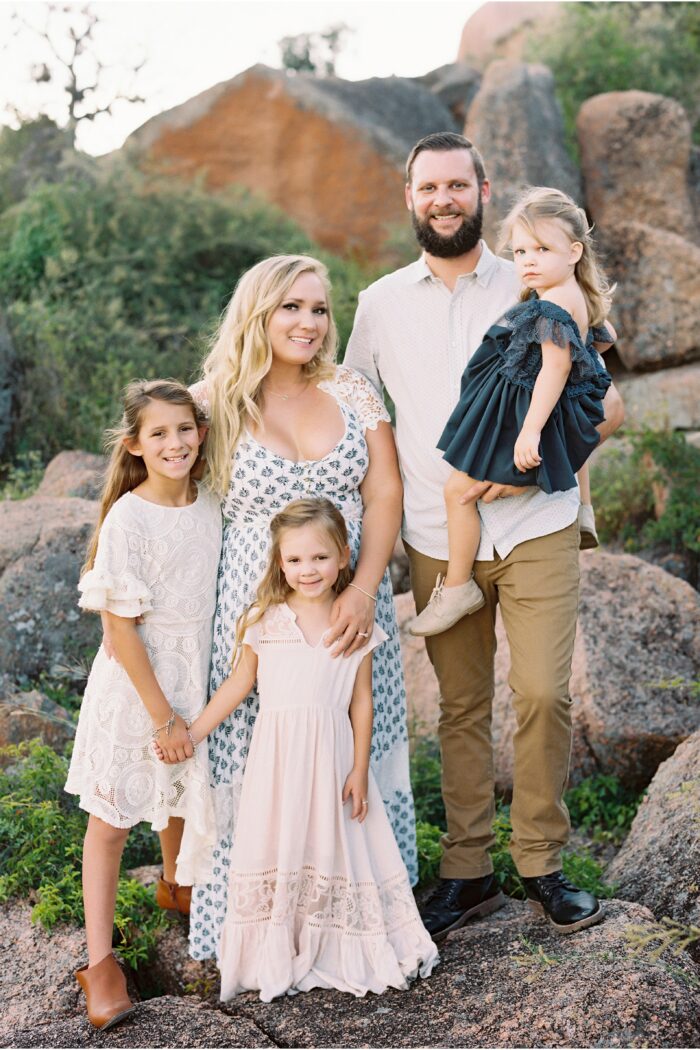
[(125, 471), (545, 204), (273, 588)]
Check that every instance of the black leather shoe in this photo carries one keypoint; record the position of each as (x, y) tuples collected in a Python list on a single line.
[(567, 908), (457, 900)]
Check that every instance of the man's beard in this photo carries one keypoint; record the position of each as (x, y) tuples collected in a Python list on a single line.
[(459, 243)]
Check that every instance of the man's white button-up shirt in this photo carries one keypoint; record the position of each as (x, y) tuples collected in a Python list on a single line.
[(414, 337)]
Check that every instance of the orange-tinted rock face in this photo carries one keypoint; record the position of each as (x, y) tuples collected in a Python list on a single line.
[(324, 175), (499, 29)]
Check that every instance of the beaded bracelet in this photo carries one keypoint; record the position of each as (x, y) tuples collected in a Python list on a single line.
[(167, 726), (358, 588)]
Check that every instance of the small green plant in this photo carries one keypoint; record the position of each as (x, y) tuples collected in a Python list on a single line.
[(23, 477), (429, 851), (41, 831), (602, 807), (622, 495), (426, 772)]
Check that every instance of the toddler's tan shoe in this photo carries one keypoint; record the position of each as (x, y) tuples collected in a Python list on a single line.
[(586, 524), (447, 605)]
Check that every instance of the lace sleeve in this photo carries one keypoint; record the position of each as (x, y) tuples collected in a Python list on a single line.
[(356, 391), (114, 583), (600, 334), (200, 393)]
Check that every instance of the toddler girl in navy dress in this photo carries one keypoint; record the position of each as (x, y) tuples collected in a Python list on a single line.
[(532, 394)]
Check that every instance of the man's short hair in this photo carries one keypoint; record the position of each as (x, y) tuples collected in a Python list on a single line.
[(443, 142)]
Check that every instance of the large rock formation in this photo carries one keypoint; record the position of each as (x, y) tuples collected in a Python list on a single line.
[(632, 616), (30, 715), (669, 399), (329, 152), (455, 85), (516, 123), (500, 30), (635, 157), (508, 981), (73, 474), (659, 863), (42, 546)]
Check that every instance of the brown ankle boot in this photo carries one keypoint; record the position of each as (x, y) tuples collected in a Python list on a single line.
[(104, 985), (172, 897)]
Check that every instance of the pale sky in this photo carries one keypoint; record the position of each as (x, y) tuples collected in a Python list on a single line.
[(189, 46)]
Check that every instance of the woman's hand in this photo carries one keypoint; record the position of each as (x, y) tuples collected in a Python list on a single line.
[(526, 453), (175, 746), (352, 619), (356, 789)]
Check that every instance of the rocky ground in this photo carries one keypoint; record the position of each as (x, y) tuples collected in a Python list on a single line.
[(507, 981)]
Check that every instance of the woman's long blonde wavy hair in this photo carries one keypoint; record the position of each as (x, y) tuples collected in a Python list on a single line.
[(241, 355), (124, 470), (273, 588), (545, 204)]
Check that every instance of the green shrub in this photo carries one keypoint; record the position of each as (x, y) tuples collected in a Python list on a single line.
[(429, 851), (601, 47), (602, 807), (426, 782), (108, 279), (23, 477), (622, 495), (42, 830)]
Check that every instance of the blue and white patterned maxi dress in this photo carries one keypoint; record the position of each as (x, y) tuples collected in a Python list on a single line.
[(263, 483)]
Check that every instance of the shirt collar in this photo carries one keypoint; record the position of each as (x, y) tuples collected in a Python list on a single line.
[(482, 274)]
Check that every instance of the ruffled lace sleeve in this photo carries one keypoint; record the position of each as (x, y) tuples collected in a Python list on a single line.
[(538, 321), (200, 392), (356, 391), (114, 583)]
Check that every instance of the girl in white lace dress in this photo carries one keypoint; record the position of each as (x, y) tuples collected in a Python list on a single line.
[(154, 555), (318, 896), (286, 422)]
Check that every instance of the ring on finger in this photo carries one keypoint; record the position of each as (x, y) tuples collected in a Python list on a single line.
[(362, 634), (365, 802)]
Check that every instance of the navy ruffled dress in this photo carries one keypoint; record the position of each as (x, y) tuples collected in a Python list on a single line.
[(497, 384)]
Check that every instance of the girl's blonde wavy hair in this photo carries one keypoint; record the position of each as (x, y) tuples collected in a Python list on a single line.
[(273, 588), (545, 204), (241, 355), (124, 470)]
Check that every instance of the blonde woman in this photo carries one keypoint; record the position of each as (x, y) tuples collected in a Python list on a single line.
[(286, 422)]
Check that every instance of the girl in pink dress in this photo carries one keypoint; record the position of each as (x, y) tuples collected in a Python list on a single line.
[(318, 893)]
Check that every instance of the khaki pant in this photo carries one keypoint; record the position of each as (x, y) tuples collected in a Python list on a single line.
[(537, 588)]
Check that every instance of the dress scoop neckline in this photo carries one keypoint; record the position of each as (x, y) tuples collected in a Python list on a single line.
[(299, 462), (166, 506)]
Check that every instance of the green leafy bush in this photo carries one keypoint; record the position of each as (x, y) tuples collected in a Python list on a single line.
[(622, 488), (429, 851), (108, 279), (601, 47), (23, 477), (426, 782), (602, 807), (41, 831)]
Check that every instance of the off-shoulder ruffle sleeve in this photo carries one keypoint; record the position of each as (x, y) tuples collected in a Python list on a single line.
[(599, 333), (356, 391), (538, 321), (123, 595)]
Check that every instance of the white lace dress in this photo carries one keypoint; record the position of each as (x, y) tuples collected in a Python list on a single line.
[(159, 563), (315, 899), (262, 483)]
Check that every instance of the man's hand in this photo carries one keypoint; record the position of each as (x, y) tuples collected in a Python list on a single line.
[(488, 491), (526, 453)]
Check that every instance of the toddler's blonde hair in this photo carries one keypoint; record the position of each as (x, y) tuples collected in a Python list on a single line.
[(539, 204)]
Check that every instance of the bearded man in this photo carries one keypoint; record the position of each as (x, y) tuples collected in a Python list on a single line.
[(415, 330)]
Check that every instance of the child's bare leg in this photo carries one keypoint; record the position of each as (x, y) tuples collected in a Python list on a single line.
[(102, 854), (584, 484), (170, 839), (463, 530)]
